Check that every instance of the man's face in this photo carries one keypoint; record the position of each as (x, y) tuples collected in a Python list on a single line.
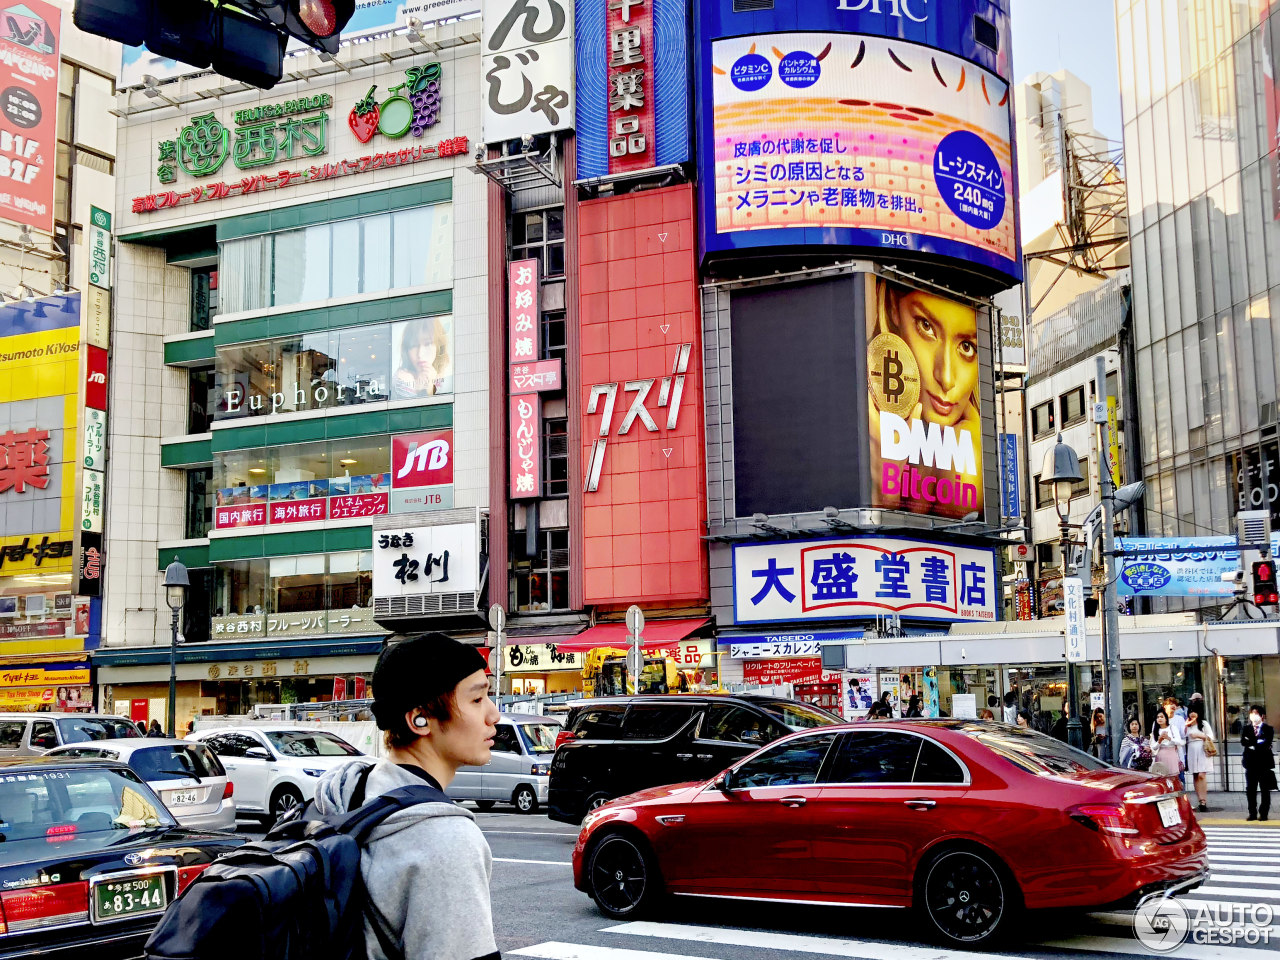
[(467, 739)]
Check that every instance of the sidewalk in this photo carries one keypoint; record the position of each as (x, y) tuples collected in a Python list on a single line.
[(1230, 809)]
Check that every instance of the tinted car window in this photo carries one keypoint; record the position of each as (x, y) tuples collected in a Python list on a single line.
[(43, 735), (11, 734), (308, 744), (226, 746), (599, 723), (84, 729), (935, 765), (793, 763), (797, 716), (96, 753), (732, 724), (91, 801), (875, 757), (655, 721), (504, 739), (1035, 752), (174, 761)]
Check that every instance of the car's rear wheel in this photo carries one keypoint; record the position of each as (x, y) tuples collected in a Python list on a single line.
[(967, 898), (597, 800), (283, 799), (622, 876), (525, 799)]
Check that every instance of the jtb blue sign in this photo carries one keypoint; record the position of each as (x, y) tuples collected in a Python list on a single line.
[(1009, 488)]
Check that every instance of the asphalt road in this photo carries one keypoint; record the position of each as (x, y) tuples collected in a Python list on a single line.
[(537, 913)]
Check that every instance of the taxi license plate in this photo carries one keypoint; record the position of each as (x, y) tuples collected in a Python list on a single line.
[(1169, 813), (182, 796), (129, 897)]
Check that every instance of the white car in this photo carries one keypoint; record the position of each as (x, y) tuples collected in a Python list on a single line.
[(274, 767), (186, 776)]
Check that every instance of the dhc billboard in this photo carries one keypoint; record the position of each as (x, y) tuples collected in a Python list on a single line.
[(881, 124)]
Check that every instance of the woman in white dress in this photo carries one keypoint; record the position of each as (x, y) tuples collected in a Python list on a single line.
[(1199, 763), (1166, 744)]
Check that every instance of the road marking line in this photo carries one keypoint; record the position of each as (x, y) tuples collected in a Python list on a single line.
[(1187, 951), (1214, 858), (798, 943), (1118, 918), (549, 863), (555, 950), (1248, 893), (532, 833), (1271, 881)]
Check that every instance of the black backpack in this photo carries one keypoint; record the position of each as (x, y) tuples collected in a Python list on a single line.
[(296, 893)]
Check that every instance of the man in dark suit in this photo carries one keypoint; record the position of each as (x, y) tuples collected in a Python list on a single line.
[(1258, 762)]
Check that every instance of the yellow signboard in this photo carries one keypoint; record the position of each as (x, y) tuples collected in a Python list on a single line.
[(41, 677), (1113, 440)]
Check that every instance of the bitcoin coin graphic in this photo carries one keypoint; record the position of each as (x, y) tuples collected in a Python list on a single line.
[(894, 374)]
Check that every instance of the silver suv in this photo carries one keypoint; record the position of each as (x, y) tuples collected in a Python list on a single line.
[(31, 734)]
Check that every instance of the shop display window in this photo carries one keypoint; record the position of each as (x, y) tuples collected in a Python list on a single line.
[(405, 360), (346, 258), (308, 583), (1242, 678)]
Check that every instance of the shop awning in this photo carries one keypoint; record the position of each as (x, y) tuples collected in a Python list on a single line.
[(657, 635)]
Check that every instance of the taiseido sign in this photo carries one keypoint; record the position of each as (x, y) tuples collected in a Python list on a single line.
[(913, 10)]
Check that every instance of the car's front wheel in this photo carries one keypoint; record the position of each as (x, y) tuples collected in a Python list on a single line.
[(283, 800), (966, 898), (525, 799), (623, 877)]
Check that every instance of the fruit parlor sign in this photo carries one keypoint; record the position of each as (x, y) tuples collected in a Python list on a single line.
[(264, 135), (410, 107)]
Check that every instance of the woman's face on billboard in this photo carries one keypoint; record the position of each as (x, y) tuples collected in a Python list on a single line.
[(422, 352), (943, 335)]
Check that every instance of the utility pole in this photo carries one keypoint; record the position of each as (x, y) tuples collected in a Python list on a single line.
[(1113, 682)]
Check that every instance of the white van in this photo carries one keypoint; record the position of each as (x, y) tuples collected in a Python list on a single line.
[(519, 768)]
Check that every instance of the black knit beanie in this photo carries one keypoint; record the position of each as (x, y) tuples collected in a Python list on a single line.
[(411, 672)]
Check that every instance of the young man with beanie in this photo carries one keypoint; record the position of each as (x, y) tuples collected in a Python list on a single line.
[(426, 868)]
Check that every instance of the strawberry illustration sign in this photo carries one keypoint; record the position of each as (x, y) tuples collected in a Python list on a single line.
[(411, 107)]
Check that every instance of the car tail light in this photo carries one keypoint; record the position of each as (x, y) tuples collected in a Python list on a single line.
[(66, 831), (228, 790), (48, 906), (187, 874), (563, 736), (1105, 818)]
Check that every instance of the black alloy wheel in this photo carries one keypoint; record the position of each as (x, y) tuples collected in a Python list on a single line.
[(965, 897), (622, 877), (597, 800), (483, 805)]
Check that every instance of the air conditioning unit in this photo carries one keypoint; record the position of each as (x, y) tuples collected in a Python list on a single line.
[(1253, 530)]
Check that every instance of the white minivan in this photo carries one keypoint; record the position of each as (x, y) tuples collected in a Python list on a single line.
[(519, 766)]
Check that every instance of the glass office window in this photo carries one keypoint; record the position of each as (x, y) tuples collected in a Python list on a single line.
[(350, 579), (365, 255)]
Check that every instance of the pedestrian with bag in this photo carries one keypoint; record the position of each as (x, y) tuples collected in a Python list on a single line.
[(1135, 749), (1099, 742), (1258, 761), (382, 864), (1166, 745), (1201, 749)]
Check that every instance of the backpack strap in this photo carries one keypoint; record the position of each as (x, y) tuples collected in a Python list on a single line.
[(360, 822), (357, 797)]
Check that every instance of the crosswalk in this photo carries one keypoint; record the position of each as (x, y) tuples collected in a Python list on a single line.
[(1245, 864)]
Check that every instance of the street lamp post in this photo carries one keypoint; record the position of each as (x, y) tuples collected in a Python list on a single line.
[(176, 583), (1062, 469)]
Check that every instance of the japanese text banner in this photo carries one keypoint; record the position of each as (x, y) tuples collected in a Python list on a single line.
[(29, 113), (828, 579)]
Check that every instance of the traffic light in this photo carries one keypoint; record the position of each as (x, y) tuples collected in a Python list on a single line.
[(241, 39), (1264, 582)]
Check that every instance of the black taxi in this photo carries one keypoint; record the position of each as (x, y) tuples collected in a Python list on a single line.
[(89, 858)]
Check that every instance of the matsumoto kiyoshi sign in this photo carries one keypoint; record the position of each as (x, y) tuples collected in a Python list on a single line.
[(1180, 566), (864, 577)]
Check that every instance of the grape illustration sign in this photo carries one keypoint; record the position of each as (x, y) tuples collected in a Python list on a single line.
[(411, 107), (874, 141)]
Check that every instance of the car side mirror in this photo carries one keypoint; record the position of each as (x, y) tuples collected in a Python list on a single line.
[(257, 753), (724, 782)]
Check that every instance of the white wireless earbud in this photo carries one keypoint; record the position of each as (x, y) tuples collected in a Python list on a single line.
[(419, 722)]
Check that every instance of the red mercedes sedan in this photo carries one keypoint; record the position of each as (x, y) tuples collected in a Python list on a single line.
[(968, 822)]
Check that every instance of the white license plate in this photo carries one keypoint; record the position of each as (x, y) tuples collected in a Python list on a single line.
[(1170, 816), (179, 797)]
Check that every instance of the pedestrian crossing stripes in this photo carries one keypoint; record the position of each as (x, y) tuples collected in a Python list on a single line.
[(1245, 870)]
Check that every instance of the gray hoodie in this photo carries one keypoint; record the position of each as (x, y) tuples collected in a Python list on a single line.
[(426, 867)]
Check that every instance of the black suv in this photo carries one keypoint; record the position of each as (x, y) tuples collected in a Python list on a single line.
[(614, 746)]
